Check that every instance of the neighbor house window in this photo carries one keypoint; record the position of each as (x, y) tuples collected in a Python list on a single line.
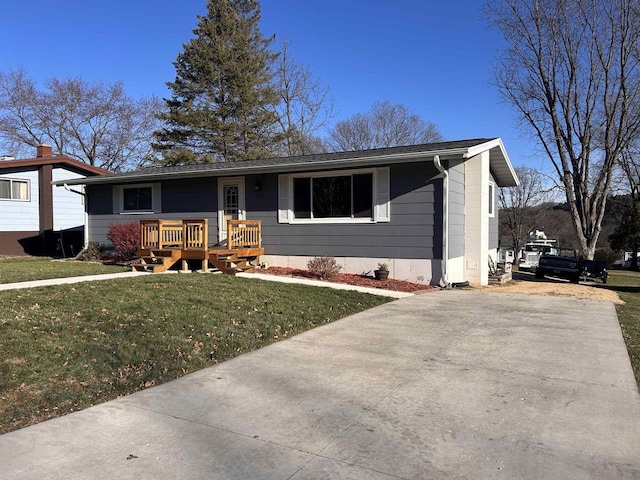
[(357, 196), (140, 198), (492, 200), (14, 189)]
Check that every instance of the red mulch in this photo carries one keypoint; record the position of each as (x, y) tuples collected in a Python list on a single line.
[(350, 279)]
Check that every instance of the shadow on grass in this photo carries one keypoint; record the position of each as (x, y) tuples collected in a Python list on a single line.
[(620, 288)]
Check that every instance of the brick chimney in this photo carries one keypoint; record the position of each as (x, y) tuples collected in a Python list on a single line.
[(44, 150)]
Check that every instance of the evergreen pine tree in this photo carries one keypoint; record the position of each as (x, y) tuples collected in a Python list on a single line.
[(221, 107)]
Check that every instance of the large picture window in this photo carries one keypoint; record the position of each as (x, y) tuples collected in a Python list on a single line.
[(336, 196), (341, 196), (14, 189)]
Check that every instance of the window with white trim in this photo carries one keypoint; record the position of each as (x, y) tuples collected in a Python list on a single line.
[(11, 189), (352, 196), (142, 198), (492, 200)]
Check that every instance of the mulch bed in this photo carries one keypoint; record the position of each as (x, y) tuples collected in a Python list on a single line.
[(350, 279)]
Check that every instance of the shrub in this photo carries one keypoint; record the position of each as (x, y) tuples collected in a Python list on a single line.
[(325, 267), (126, 239), (92, 252)]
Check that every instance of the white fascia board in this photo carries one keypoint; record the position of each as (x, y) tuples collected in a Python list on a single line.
[(500, 161)]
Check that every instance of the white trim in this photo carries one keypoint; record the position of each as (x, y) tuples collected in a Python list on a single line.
[(20, 180), (242, 214), (382, 195), (380, 201), (284, 193), (492, 199)]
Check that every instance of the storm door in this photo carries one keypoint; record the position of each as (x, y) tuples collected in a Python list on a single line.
[(230, 204)]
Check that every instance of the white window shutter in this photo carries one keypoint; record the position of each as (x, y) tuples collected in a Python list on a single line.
[(383, 195), (283, 199), (116, 193)]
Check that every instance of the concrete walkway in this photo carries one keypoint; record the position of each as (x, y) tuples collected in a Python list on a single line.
[(270, 278), (68, 280), (444, 385)]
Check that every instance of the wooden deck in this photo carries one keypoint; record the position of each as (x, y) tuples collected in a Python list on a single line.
[(163, 243)]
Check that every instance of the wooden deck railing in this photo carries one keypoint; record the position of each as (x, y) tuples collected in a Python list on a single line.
[(174, 234), (244, 234)]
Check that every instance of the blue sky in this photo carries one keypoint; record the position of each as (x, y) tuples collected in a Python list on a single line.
[(434, 57)]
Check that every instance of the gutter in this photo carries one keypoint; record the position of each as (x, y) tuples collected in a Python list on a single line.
[(66, 187), (273, 168), (444, 282)]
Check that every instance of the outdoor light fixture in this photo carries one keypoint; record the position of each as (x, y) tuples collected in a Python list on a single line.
[(257, 186)]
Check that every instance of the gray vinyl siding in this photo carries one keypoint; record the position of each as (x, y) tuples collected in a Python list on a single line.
[(99, 224), (190, 195), (409, 234), (191, 198), (493, 221), (456, 209), (99, 199), (413, 232)]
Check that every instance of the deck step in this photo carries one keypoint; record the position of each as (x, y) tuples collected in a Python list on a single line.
[(225, 260), (157, 261)]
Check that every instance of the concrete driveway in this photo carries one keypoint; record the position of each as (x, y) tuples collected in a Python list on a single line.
[(443, 385)]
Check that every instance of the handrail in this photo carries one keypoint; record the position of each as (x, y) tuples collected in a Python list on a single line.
[(244, 234), (174, 234)]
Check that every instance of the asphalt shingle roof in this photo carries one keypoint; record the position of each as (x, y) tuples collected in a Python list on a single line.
[(322, 160)]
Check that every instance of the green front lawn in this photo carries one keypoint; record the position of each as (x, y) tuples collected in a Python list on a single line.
[(64, 348), (24, 269), (627, 284)]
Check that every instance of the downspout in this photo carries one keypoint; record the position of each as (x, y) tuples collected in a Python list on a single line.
[(444, 282), (86, 218)]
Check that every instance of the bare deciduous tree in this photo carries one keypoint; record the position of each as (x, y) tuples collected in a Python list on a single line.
[(515, 206), (305, 106), (385, 125), (571, 71), (92, 122), (630, 166)]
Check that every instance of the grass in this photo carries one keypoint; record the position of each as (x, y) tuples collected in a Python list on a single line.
[(24, 269), (65, 348), (627, 284)]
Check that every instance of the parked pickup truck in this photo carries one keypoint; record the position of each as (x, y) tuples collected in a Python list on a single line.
[(560, 262)]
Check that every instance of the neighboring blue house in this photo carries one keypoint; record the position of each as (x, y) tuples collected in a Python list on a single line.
[(36, 218), (429, 211)]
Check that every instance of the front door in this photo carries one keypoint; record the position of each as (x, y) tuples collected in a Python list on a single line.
[(230, 204)]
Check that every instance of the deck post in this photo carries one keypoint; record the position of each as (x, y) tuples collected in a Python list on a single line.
[(205, 236), (184, 238), (160, 235), (185, 266)]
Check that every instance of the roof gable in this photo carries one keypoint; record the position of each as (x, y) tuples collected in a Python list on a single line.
[(55, 160)]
